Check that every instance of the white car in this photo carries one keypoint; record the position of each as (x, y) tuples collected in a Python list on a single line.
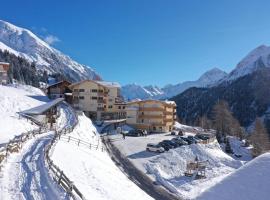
[(155, 148)]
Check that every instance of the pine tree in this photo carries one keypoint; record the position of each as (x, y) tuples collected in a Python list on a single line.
[(259, 138)]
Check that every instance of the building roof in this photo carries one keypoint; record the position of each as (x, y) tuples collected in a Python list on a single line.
[(102, 83), (153, 100), (57, 83), (4, 63), (109, 84), (39, 110)]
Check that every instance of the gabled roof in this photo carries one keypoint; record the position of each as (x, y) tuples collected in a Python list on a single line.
[(57, 83), (39, 110)]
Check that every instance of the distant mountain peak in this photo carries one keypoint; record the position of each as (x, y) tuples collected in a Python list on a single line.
[(255, 59), (22, 42)]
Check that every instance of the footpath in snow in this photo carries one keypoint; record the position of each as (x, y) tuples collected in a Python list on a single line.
[(91, 170), (25, 176)]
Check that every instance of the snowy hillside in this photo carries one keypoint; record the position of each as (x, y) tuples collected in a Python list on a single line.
[(257, 58), (209, 78), (14, 99), (250, 182), (24, 43), (92, 170)]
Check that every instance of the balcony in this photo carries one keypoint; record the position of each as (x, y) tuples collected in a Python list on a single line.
[(168, 120), (101, 101), (151, 109), (148, 116)]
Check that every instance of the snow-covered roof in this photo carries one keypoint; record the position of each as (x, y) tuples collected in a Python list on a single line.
[(42, 108), (4, 63), (103, 83), (56, 83), (109, 84)]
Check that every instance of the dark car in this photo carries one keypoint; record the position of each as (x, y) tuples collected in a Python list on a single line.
[(166, 146), (134, 133), (173, 144), (186, 140), (203, 136), (192, 139), (180, 141)]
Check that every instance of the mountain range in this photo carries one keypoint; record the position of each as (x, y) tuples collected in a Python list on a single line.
[(246, 89), (209, 78), (24, 43)]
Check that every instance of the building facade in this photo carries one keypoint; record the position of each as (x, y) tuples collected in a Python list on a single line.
[(3, 73), (151, 115), (99, 100), (60, 90)]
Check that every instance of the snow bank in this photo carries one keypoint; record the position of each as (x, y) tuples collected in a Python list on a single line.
[(169, 168), (93, 171), (15, 99), (250, 182)]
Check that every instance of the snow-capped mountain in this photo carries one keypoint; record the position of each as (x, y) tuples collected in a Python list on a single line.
[(257, 58), (26, 44), (209, 78), (135, 91)]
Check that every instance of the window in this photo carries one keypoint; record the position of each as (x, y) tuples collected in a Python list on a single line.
[(104, 106), (154, 128), (75, 97), (142, 120), (110, 100), (100, 91), (124, 107), (142, 113), (81, 90), (119, 107), (81, 97), (94, 90), (160, 128), (75, 90), (94, 98), (100, 98), (110, 106)]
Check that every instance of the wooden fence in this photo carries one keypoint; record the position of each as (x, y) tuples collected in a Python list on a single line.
[(17, 142), (80, 142), (58, 175)]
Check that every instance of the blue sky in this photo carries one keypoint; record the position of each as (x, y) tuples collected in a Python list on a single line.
[(148, 42)]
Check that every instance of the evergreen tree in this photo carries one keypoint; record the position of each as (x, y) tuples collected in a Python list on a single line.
[(259, 138)]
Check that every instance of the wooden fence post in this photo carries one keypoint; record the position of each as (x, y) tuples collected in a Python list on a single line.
[(60, 177), (68, 138), (79, 142)]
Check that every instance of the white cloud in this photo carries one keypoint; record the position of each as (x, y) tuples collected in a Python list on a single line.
[(51, 39)]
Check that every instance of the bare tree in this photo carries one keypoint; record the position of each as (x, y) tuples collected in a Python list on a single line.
[(259, 138)]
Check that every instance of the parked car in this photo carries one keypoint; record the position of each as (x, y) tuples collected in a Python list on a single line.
[(173, 144), (166, 146), (192, 139), (203, 136), (155, 148), (180, 141), (198, 139), (186, 140), (134, 133)]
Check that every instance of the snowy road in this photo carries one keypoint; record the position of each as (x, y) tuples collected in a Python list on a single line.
[(25, 176)]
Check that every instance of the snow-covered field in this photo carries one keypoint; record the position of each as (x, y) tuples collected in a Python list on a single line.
[(14, 99), (93, 171), (250, 182), (168, 168)]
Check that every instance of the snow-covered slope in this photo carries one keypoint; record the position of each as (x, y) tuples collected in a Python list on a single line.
[(257, 58), (14, 99), (250, 182), (92, 170), (209, 78), (24, 43)]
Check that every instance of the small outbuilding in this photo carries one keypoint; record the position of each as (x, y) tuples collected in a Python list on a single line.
[(60, 90), (43, 114)]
